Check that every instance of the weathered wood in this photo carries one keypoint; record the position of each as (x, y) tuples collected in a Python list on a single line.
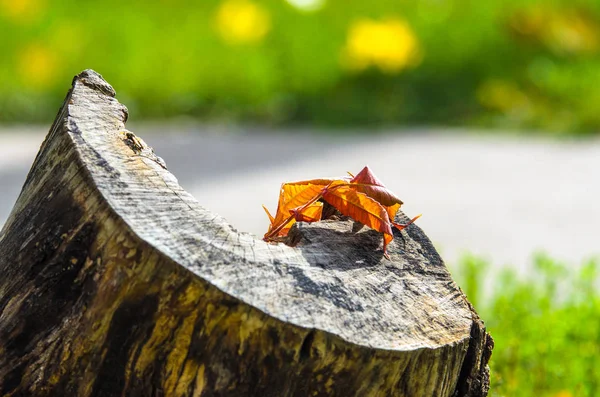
[(117, 282)]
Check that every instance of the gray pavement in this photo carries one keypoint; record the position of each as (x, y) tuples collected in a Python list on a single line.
[(501, 197)]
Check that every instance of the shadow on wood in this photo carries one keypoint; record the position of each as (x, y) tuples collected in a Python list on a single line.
[(117, 282)]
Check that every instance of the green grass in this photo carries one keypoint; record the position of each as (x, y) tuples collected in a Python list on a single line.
[(546, 326), (528, 64)]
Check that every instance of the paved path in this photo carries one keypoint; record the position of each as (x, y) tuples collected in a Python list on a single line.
[(500, 197)]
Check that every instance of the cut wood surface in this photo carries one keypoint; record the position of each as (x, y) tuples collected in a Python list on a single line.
[(118, 282)]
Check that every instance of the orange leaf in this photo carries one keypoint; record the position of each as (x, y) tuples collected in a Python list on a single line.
[(368, 184), (312, 213), (392, 209), (361, 208), (294, 195), (362, 197), (401, 226), (271, 219)]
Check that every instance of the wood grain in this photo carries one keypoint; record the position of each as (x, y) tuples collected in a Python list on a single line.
[(118, 282)]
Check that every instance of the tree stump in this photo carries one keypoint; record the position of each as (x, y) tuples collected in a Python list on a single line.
[(116, 282)]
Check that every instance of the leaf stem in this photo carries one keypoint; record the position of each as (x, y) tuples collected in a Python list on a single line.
[(277, 229), (401, 226)]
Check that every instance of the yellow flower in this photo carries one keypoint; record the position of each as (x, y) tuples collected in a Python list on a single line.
[(389, 45), (502, 95), (565, 31), (563, 393), (22, 11), (573, 33), (242, 21), (37, 66)]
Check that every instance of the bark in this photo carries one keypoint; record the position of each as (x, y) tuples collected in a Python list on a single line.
[(117, 282)]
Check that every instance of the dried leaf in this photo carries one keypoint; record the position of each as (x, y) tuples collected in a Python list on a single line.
[(401, 226), (361, 208), (294, 195), (368, 183), (392, 210), (312, 213), (362, 197), (271, 219)]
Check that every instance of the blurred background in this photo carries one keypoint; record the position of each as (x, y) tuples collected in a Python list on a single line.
[(510, 64), (482, 115)]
